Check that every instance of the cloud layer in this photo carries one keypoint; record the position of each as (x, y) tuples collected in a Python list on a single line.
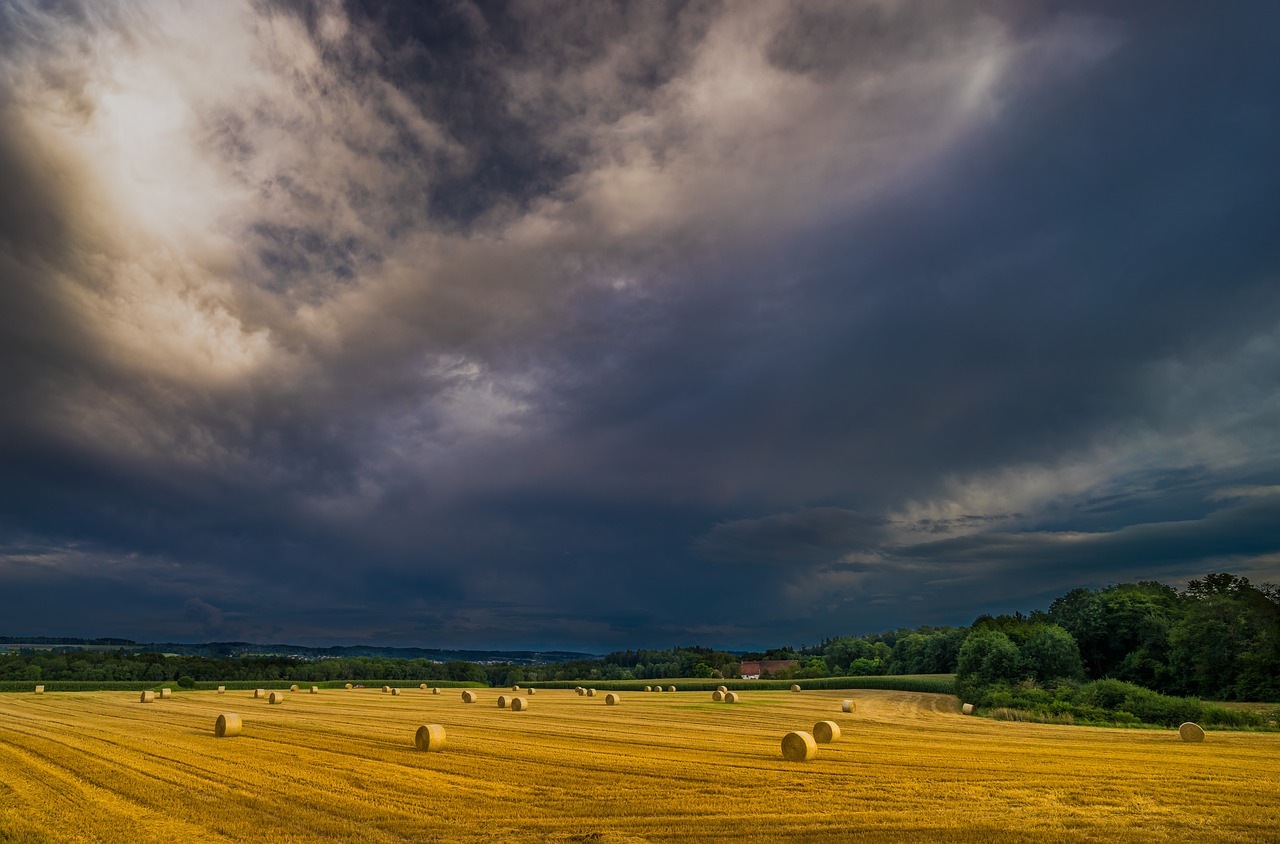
[(627, 324)]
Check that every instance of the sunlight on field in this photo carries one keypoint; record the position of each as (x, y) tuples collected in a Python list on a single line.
[(341, 765)]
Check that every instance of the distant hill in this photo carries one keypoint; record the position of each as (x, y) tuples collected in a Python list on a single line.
[(224, 650)]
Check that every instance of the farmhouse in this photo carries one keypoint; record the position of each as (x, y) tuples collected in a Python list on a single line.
[(753, 670)]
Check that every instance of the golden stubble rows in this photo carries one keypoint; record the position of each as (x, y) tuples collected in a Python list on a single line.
[(342, 766)]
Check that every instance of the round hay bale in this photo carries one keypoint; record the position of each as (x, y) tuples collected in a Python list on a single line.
[(423, 687), (148, 697), (222, 690), (348, 687), (468, 696), (519, 704), (429, 737), (502, 701), (717, 695), (386, 690), (671, 688), (967, 709), (227, 725), (798, 746), (515, 688), (258, 694), (435, 691), (1191, 731), (611, 699), (315, 690), (294, 687), (39, 690), (795, 688), (657, 688), (648, 688), (847, 706), (395, 692), (532, 691), (730, 697), (722, 689), (581, 691), (276, 697), (591, 692), (166, 694), (825, 732)]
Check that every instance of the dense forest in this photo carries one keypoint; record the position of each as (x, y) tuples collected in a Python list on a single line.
[(1219, 639)]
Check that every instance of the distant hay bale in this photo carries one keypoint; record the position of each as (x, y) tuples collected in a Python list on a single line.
[(591, 692), (423, 687), (429, 737), (386, 690), (798, 746), (435, 691), (222, 690), (148, 697), (581, 691), (39, 690), (717, 695), (611, 699), (502, 701), (276, 697), (395, 691), (519, 704), (730, 697), (671, 688), (1191, 732), (468, 696), (532, 691), (258, 694), (165, 694), (795, 688), (515, 688), (315, 690), (348, 687), (657, 688), (722, 689), (227, 725), (825, 732), (294, 687), (847, 706), (967, 709), (648, 688)]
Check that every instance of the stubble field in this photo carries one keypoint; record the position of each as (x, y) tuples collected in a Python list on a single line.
[(341, 766)]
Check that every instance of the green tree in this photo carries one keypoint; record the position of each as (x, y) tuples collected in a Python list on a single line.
[(987, 657), (1050, 653)]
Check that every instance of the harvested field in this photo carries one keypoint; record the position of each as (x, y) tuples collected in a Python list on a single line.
[(98, 766)]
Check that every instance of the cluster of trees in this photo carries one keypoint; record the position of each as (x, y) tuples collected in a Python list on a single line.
[(1142, 650), (921, 650), (1219, 638)]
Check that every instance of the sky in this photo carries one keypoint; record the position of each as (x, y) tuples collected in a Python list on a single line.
[(596, 325)]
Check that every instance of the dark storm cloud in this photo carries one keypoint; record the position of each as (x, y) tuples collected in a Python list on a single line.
[(616, 324)]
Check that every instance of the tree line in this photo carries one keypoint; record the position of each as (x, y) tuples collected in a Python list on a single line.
[(1219, 638)]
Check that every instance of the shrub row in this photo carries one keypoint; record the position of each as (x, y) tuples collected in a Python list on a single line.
[(1110, 702)]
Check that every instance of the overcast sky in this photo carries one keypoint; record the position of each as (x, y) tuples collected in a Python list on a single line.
[(592, 325)]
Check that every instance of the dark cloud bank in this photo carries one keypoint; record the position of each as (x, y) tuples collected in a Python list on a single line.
[(602, 325)]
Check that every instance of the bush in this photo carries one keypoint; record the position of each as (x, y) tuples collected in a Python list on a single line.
[(186, 681), (1240, 719)]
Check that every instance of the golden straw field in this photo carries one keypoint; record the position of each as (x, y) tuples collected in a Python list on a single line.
[(341, 765)]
